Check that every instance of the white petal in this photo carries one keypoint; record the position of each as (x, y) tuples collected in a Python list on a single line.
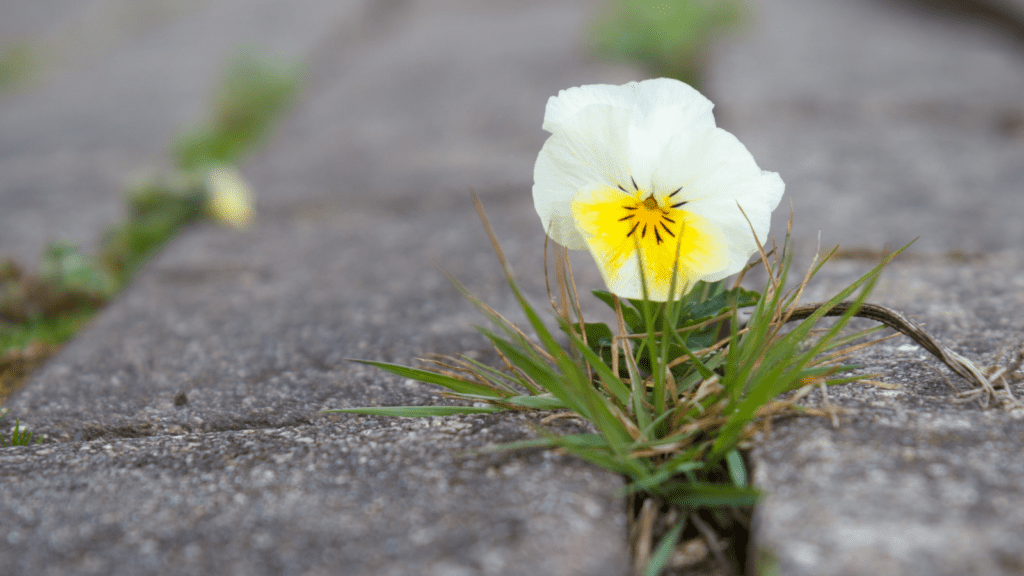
[(661, 135), (656, 96), (587, 152), (568, 102), (718, 176)]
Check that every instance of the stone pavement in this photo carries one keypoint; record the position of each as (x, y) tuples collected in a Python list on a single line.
[(887, 121), (890, 121), (190, 438)]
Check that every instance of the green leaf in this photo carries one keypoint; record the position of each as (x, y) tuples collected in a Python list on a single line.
[(737, 470), (599, 335), (417, 411), (453, 384), (537, 402), (663, 553), (720, 303), (700, 494)]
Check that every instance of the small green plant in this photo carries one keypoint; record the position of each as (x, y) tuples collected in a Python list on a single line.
[(255, 90), (40, 311), (669, 37), (20, 435), (672, 392)]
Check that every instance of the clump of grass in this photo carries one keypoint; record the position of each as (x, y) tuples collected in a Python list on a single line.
[(668, 37), (673, 391), (42, 310)]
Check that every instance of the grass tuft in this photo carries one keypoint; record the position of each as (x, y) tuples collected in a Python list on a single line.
[(672, 392), (20, 435)]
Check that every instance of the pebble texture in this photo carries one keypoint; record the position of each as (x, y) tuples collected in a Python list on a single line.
[(363, 496)]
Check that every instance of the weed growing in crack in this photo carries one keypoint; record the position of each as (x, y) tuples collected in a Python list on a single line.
[(41, 310), (20, 435), (692, 370)]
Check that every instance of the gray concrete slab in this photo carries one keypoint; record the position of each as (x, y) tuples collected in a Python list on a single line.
[(887, 122), (890, 121), (913, 481), (363, 496), (207, 377), (113, 82)]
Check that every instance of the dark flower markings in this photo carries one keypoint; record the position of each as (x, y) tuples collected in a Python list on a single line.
[(651, 204)]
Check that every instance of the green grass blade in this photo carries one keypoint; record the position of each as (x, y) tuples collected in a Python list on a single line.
[(610, 380), (659, 560), (537, 402), (499, 379), (701, 494), (737, 470), (417, 411), (577, 392), (453, 384)]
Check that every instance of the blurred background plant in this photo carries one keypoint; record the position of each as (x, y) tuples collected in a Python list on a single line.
[(15, 63), (20, 434), (669, 38), (41, 310)]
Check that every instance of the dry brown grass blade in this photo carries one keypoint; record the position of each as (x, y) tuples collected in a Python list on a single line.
[(643, 537), (957, 363)]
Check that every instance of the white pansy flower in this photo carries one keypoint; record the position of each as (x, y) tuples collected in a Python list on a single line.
[(640, 174)]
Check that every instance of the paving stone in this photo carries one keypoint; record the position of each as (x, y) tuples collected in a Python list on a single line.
[(912, 481), (187, 416), (114, 82), (889, 121), (364, 496)]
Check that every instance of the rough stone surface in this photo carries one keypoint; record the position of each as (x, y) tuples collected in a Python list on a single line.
[(187, 417), (886, 121), (914, 480), (889, 121), (363, 496)]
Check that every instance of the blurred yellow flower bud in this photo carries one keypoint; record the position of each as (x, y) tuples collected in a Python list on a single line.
[(229, 199)]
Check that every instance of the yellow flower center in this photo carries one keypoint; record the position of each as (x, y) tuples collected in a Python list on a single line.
[(645, 215), (626, 230)]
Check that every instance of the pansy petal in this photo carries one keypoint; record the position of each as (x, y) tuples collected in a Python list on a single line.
[(679, 181), (569, 102), (693, 264), (720, 177), (586, 152), (649, 101), (625, 236)]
